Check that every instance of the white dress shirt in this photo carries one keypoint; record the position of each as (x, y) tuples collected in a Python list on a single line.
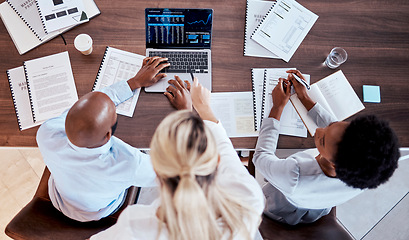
[(140, 221), (89, 183), (299, 177)]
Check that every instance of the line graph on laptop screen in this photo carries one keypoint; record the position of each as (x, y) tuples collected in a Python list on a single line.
[(178, 28)]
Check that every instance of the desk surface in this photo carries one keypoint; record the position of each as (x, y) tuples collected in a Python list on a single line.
[(374, 33)]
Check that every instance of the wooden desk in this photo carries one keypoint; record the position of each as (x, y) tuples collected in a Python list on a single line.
[(374, 33)]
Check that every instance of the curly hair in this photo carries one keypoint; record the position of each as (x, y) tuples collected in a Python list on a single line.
[(368, 153)]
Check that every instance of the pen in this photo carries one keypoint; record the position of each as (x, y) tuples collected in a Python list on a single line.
[(191, 74), (301, 81)]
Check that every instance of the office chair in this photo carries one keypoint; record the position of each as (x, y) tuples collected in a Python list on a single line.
[(40, 220)]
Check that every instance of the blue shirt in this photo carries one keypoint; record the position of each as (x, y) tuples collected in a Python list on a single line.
[(89, 183)]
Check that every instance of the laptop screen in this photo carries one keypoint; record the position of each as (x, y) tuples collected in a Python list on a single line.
[(178, 28)]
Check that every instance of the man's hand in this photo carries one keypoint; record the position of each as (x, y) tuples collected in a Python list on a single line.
[(148, 74), (201, 101), (300, 89), (178, 94), (281, 95)]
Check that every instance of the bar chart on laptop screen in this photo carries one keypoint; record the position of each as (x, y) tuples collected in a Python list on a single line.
[(179, 28)]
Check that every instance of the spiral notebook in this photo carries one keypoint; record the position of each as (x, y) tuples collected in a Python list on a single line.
[(263, 81), (41, 89), (256, 10), (21, 100), (23, 23), (118, 65), (27, 11), (284, 28)]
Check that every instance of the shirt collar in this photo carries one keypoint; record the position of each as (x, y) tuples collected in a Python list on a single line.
[(99, 150)]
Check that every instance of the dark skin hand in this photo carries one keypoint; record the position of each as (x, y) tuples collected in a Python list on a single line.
[(179, 94), (300, 89), (90, 120), (149, 73), (281, 94)]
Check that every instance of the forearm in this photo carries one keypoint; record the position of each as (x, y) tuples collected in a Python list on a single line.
[(118, 92)]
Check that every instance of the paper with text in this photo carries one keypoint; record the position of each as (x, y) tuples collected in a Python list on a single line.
[(51, 85), (290, 122), (255, 12), (335, 94), (119, 65), (284, 28), (235, 111), (257, 81), (19, 92)]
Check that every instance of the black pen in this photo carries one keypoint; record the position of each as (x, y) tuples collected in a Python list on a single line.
[(191, 74), (301, 81)]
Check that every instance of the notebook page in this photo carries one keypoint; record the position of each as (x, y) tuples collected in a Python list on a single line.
[(19, 91), (290, 122), (51, 85), (119, 65), (256, 10), (284, 28), (235, 111), (257, 81), (340, 95)]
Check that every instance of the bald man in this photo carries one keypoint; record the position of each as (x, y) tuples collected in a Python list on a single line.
[(90, 168)]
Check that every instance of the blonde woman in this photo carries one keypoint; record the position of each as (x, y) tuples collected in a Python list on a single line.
[(205, 191)]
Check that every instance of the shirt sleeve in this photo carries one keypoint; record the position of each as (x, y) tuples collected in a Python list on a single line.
[(281, 173), (49, 128), (321, 116), (232, 175), (118, 92), (145, 176)]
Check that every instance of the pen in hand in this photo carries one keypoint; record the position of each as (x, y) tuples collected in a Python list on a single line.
[(301, 81)]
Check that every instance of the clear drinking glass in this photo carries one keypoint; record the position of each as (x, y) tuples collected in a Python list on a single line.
[(336, 57)]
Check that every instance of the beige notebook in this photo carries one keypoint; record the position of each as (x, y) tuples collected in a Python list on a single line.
[(335, 94), (22, 35)]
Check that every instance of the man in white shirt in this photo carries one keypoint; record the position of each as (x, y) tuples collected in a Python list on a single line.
[(350, 157), (90, 168)]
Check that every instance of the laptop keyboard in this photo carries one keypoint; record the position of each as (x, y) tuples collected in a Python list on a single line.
[(184, 62)]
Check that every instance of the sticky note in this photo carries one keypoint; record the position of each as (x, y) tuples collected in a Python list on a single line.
[(372, 93)]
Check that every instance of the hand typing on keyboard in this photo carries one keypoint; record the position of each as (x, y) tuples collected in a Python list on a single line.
[(149, 73)]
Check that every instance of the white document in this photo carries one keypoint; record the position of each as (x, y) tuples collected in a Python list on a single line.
[(19, 92), (23, 38), (257, 81), (51, 85), (284, 28), (235, 111), (116, 66), (290, 122), (255, 12), (59, 14), (28, 12), (335, 94)]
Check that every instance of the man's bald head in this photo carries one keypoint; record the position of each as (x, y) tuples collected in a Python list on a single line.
[(90, 120)]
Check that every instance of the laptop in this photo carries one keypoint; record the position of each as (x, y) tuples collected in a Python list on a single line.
[(183, 36)]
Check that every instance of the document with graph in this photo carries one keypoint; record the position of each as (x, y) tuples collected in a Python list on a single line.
[(284, 28), (118, 65)]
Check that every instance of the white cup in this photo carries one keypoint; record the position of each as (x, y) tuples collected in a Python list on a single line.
[(336, 57), (83, 43)]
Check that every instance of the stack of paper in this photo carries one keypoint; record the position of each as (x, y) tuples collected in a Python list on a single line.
[(28, 28), (283, 28)]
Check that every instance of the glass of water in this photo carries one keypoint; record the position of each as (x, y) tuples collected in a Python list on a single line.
[(336, 57)]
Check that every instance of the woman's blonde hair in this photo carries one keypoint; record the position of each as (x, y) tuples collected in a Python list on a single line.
[(193, 206)]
